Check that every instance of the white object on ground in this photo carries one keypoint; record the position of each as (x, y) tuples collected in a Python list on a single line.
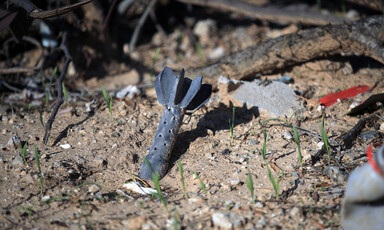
[(136, 187), (130, 91), (65, 146)]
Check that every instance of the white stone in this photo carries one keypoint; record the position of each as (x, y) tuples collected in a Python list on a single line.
[(65, 146), (227, 220)]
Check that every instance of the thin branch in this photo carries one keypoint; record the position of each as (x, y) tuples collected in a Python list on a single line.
[(19, 70), (139, 25), (34, 12), (268, 12), (59, 87), (364, 37), (107, 18)]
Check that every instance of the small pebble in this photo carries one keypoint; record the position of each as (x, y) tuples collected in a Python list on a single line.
[(14, 141), (335, 174), (259, 204), (45, 198), (65, 146), (227, 220), (261, 223), (234, 182), (287, 135), (18, 160), (294, 212), (225, 152), (93, 189), (252, 142), (209, 156)]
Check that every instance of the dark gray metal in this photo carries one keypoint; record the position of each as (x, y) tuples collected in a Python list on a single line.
[(178, 95)]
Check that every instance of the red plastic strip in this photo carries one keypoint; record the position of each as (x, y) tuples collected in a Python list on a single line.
[(332, 98), (372, 162)]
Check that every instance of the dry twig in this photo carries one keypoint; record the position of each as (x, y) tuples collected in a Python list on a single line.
[(60, 100), (34, 12), (364, 37), (271, 13)]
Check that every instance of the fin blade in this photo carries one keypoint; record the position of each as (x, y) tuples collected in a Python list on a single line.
[(193, 89), (201, 97), (164, 83)]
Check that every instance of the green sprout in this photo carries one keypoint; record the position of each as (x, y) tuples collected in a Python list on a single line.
[(24, 152), (37, 156), (249, 182), (108, 100), (264, 151), (274, 183), (155, 178), (176, 222), (325, 139), (182, 178), (65, 93), (232, 123), (41, 121), (297, 140), (201, 183), (28, 210)]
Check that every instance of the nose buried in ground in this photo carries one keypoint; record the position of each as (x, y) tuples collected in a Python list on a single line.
[(178, 95)]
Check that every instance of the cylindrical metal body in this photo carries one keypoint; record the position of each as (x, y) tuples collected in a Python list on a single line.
[(163, 143), (363, 206)]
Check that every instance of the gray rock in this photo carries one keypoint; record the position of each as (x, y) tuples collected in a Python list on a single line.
[(294, 212), (227, 220), (287, 135), (253, 142), (93, 188), (261, 223), (234, 182), (209, 155), (18, 160), (335, 174), (204, 28), (14, 142), (259, 204), (275, 98)]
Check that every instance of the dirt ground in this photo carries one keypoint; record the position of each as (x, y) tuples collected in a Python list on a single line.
[(82, 184)]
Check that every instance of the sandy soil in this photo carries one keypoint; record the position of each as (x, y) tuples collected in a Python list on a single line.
[(82, 184)]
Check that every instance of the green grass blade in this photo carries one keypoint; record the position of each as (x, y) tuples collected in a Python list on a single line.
[(274, 183), (53, 75), (41, 121), (325, 139), (37, 156), (105, 94), (108, 100), (182, 178), (249, 183), (201, 183), (156, 178), (65, 93), (264, 151), (232, 124), (297, 140), (176, 223), (24, 152)]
